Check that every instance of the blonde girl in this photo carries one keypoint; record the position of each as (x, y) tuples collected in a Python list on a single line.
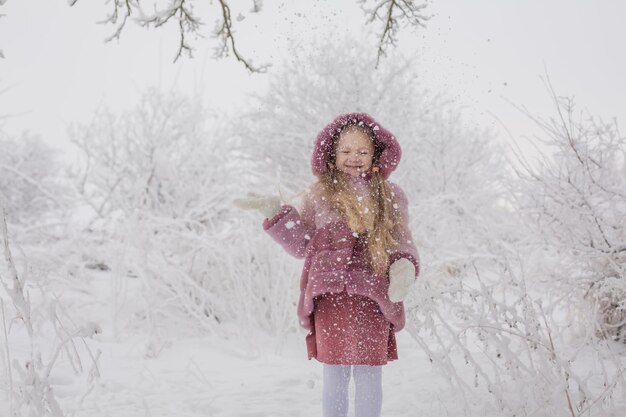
[(359, 258)]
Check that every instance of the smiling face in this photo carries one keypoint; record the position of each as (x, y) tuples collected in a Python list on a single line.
[(354, 152)]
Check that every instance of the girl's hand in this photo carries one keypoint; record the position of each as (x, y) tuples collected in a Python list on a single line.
[(268, 205), (401, 276)]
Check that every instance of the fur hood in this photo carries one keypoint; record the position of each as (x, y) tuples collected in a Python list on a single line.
[(389, 159)]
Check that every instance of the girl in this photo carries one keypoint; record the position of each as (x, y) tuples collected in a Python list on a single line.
[(360, 258)]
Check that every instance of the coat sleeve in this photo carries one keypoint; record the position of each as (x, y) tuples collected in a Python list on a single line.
[(291, 229), (404, 246)]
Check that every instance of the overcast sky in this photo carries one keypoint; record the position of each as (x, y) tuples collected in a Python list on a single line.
[(57, 69)]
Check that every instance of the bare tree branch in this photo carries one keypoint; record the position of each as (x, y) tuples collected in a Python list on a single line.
[(16, 291), (188, 23), (409, 12), (225, 32), (114, 16), (396, 12)]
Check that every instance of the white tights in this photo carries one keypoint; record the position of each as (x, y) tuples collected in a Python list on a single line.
[(368, 390)]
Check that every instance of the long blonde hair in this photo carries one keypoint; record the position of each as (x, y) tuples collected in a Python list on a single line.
[(377, 221)]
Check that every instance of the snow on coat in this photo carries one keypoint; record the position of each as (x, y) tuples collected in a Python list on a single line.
[(336, 258)]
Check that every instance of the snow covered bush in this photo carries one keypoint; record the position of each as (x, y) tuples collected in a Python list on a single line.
[(574, 196), (498, 334), (36, 201), (30, 320), (31, 186), (160, 179)]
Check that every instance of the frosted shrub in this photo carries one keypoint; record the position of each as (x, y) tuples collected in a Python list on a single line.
[(486, 310), (575, 198), (30, 362), (33, 189), (505, 350), (160, 180)]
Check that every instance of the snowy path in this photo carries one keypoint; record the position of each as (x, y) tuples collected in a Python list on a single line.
[(218, 378), (197, 377)]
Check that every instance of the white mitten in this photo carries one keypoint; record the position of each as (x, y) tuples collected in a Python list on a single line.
[(268, 205), (401, 276)]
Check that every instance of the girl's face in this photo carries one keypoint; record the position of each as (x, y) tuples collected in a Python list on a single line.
[(354, 153)]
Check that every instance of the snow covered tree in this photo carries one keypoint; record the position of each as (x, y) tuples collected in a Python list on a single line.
[(311, 88)]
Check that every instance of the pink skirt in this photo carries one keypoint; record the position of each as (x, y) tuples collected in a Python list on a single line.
[(350, 330)]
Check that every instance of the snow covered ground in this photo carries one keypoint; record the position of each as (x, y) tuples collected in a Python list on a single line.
[(198, 375), (203, 375)]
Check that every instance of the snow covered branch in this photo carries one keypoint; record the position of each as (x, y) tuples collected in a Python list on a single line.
[(392, 13), (30, 388), (498, 335), (182, 13), (31, 183), (225, 33), (575, 198), (16, 290)]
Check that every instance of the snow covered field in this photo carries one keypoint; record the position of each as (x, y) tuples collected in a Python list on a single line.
[(208, 376), (202, 375)]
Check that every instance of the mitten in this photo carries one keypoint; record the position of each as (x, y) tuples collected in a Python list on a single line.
[(267, 205), (401, 276)]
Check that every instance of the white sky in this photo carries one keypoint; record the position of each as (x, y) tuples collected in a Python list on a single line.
[(57, 68)]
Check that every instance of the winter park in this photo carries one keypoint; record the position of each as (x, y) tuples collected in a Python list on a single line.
[(312, 208)]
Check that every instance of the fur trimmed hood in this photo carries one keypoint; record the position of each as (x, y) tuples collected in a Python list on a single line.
[(389, 159)]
